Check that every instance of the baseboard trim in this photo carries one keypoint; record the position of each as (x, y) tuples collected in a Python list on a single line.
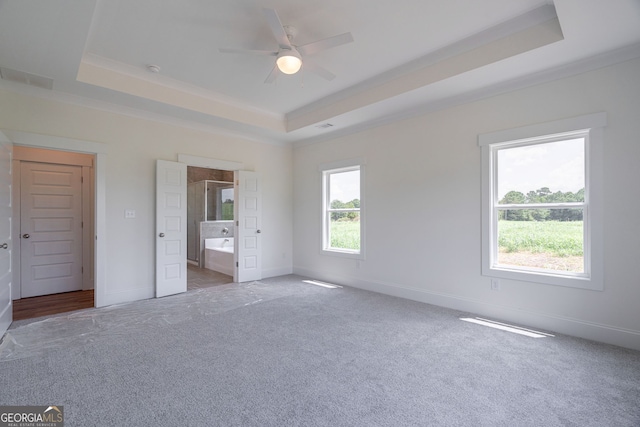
[(275, 272), (607, 334), (128, 295)]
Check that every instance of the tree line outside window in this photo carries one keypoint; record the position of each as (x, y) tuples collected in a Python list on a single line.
[(542, 195), (345, 216)]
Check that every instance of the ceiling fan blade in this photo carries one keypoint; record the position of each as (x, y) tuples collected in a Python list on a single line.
[(272, 75), (320, 45), (248, 51), (277, 29), (315, 68)]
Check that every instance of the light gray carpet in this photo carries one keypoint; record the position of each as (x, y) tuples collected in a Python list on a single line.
[(285, 353)]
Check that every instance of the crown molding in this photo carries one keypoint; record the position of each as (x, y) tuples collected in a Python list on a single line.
[(533, 29), (262, 136), (256, 136), (104, 72), (596, 62)]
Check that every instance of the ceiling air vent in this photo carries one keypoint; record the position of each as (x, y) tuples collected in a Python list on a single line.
[(25, 78), (324, 126)]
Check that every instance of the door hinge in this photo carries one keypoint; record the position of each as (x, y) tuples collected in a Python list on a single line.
[(82, 179), (237, 223), (237, 264)]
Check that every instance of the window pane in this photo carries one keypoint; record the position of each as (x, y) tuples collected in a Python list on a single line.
[(344, 189), (219, 200), (345, 233), (551, 172), (226, 195), (555, 243)]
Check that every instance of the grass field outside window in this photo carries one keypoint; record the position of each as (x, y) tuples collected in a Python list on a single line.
[(345, 234), (549, 245)]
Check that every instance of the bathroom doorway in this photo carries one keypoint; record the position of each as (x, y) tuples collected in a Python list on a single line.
[(210, 210)]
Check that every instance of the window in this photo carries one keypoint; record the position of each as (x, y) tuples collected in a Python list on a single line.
[(542, 205), (219, 200), (343, 221), (226, 202)]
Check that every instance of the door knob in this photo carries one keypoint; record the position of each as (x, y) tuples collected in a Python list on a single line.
[(4, 246), (161, 234), (258, 231), (25, 236)]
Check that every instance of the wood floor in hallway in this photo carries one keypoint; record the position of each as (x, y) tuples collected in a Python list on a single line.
[(46, 305)]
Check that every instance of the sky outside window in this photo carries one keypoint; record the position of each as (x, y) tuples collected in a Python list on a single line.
[(556, 165), (345, 186)]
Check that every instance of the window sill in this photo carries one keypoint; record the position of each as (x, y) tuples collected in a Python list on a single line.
[(343, 253), (546, 278)]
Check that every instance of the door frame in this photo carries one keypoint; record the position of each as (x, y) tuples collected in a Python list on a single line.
[(6, 300), (99, 151), (55, 157), (225, 165)]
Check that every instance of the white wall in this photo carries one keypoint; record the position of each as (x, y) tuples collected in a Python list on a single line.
[(423, 208), (132, 147)]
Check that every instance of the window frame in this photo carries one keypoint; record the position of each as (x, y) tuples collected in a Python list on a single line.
[(588, 127), (326, 170)]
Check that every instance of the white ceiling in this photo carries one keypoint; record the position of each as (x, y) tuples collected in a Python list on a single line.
[(407, 56)]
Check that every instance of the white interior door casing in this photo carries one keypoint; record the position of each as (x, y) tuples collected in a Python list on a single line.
[(171, 228), (55, 157), (248, 214), (98, 152), (6, 276), (51, 229)]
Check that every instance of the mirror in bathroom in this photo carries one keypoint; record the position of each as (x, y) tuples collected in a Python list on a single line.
[(219, 201)]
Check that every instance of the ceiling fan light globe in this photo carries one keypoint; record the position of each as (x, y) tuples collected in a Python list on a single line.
[(289, 62)]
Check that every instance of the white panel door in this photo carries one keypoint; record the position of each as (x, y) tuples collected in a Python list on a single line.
[(50, 229), (6, 275), (248, 239), (171, 228)]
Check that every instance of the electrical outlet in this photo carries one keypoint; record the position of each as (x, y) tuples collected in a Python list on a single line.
[(495, 284), (129, 213)]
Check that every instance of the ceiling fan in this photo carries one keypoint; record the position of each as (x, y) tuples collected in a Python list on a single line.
[(289, 56)]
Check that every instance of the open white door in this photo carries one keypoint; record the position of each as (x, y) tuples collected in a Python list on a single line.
[(6, 275), (171, 228), (248, 241)]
